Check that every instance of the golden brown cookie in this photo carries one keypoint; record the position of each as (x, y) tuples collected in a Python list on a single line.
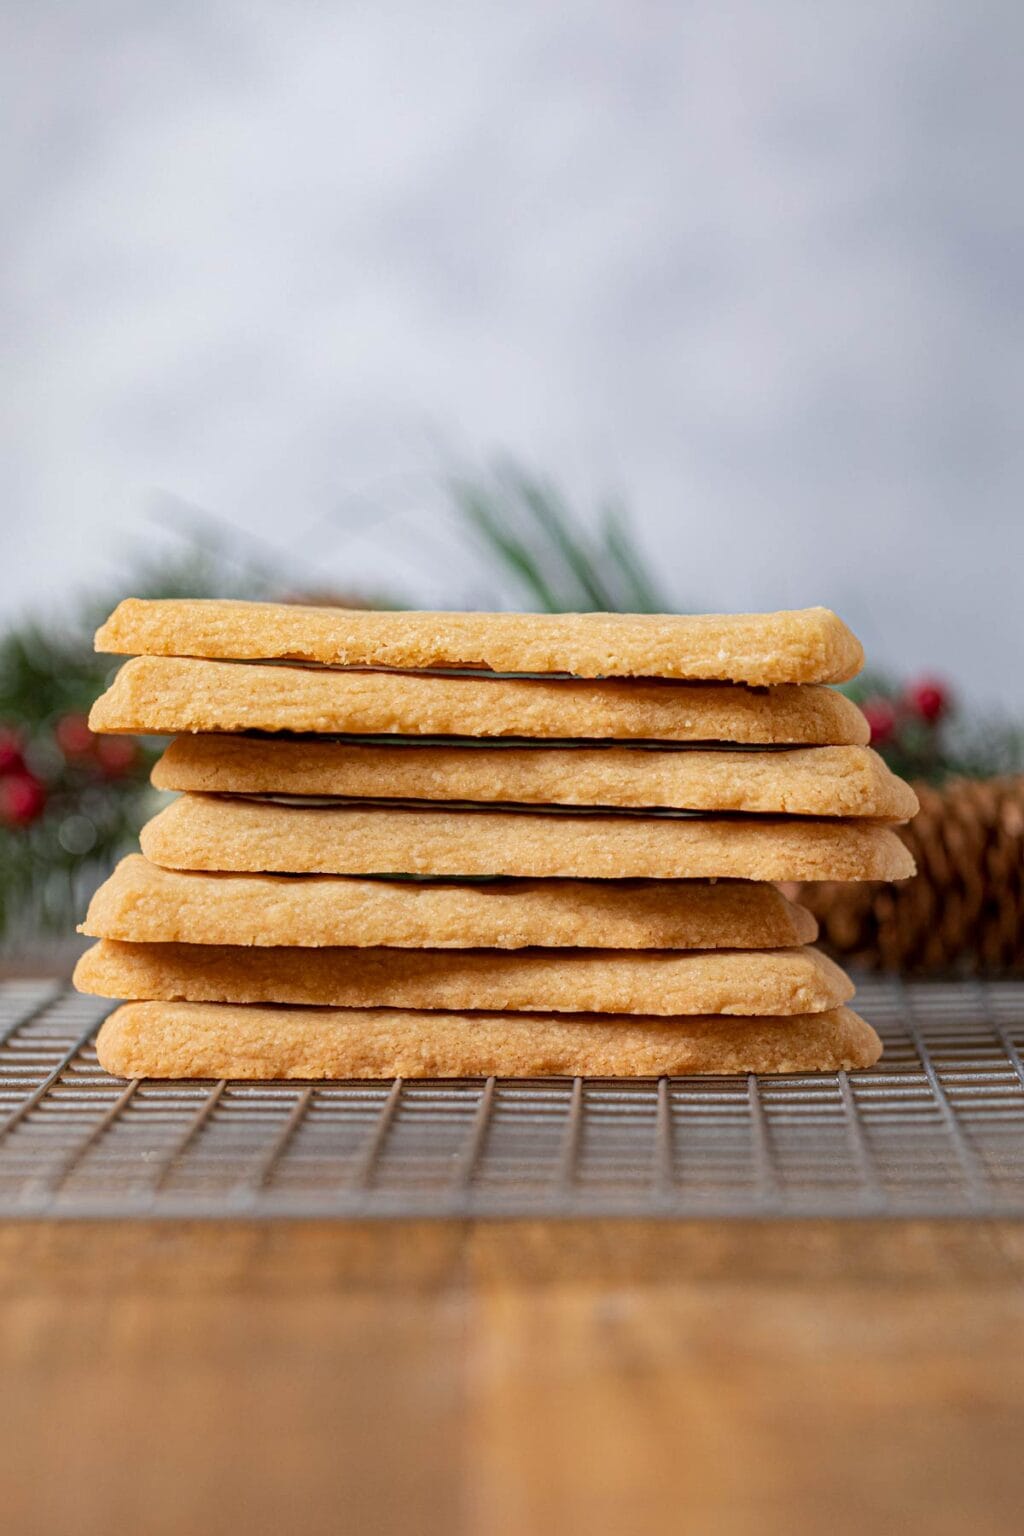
[(809, 645), (222, 1040), (165, 694), (223, 833), (809, 781), (145, 903), (779, 981)]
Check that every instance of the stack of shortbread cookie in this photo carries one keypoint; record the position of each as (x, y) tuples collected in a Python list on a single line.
[(450, 844)]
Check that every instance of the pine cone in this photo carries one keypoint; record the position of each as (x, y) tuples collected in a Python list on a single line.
[(962, 911)]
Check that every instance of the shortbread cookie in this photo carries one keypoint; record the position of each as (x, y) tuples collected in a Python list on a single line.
[(222, 1040), (164, 694), (809, 645), (542, 981), (811, 781), (144, 903), (210, 832)]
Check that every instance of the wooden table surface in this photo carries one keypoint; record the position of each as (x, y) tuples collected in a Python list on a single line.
[(511, 1378)]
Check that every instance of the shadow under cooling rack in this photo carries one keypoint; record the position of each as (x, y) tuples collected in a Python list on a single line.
[(936, 1129)]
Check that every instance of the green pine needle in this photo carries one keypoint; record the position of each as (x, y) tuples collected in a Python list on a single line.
[(554, 560)]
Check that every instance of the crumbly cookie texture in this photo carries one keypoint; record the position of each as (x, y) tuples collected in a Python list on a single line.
[(164, 694), (804, 781), (809, 645), (214, 1040), (781, 981), (142, 902), (210, 832)]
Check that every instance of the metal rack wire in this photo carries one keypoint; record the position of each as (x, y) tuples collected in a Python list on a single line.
[(937, 1129)]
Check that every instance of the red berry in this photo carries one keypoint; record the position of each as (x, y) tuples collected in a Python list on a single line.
[(115, 754), (929, 699), (73, 735), (11, 760), (22, 799), (881, 718)]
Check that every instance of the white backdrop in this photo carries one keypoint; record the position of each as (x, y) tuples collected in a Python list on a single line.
[(755, 265)]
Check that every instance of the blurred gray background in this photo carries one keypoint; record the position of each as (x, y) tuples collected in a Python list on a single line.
[(755, 266)]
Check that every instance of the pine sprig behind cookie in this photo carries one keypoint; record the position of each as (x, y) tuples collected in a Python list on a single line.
[(926, 736), (558, 565), (72, 802)]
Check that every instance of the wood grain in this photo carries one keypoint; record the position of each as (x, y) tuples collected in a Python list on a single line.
[(512, 1378)]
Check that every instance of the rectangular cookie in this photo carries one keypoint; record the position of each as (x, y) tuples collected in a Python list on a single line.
[(810, 781), (162, 695), (780, 981), (221, 1040), (809, 645), (143, 903), (213, 832)]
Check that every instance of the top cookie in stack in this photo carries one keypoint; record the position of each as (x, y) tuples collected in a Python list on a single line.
[(607, 767)]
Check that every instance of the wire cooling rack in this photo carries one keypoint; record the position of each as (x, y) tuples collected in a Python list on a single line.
[(937, 1129)]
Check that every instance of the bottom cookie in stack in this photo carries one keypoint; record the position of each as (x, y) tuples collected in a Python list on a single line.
[(263, 976), (224, 1040)]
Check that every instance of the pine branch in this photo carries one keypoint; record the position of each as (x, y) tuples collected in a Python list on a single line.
[(511, 551), (641, 591), (536, 539), (557, 528)]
